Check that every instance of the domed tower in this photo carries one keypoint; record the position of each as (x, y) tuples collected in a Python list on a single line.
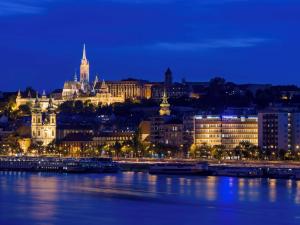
[(84, 68), (164, 106)]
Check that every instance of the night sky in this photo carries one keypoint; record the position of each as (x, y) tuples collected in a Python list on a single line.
[(245, 41)]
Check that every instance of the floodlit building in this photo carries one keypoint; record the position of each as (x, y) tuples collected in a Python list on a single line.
[(98, 93), (225, 130), (43, 124)]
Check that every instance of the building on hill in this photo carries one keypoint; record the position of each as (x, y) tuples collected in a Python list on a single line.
[(81, 90), (131, 88)]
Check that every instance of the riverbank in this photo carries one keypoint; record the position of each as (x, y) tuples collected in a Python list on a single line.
[(254, 169)]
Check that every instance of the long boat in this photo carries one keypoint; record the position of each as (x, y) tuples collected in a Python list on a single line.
[(52, 164), (180, 168)]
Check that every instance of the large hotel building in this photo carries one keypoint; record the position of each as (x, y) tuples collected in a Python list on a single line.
[(225, 130)]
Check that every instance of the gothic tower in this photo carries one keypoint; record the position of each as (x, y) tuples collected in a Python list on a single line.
[(164, 106), (84, 67)]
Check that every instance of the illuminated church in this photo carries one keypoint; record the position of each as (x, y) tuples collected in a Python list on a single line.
[(107, 92), (43, 124), (81, 90)]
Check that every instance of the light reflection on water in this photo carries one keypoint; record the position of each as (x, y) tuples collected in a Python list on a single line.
[(127, 198)]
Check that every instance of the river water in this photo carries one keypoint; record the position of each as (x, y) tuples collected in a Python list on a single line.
[(138, 198)]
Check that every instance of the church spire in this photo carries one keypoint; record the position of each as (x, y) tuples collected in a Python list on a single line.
[(84, 67), (19, 94), (84, 53), (50, 105), (37, 106), (164, 106), (75, 76)]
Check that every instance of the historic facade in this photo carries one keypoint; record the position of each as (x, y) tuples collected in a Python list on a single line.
[(43, 124)]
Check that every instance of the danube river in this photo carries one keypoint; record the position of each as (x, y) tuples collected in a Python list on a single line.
[(138, 198)]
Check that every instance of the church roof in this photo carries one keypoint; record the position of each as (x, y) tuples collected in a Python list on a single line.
[(71, 85)]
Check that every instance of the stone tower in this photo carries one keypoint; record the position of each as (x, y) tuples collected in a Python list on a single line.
[(168, 78), (164, 106), (84, 68)]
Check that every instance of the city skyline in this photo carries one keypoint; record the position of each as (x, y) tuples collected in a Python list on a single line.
[(198, 40), (174, 112)]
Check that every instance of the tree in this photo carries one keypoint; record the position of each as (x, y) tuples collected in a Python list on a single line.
[(127, 150), (78, 106), (24, 109), (51, 148), (40, 148), (11, 145), (218, 152), (193, 150), (67, 107), (204, 151)]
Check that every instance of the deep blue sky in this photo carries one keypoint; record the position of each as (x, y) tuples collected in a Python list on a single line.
[(255, 41)]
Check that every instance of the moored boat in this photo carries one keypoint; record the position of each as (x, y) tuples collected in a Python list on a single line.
[(232, 171), (180, 168), (52, 164)]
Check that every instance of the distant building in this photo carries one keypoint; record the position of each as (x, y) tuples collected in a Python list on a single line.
[(176, 90), (43, 125), (145, 131), (279, 129), (225, 130), (165, 128), (130, 88), (76, 142), (173, 132)]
